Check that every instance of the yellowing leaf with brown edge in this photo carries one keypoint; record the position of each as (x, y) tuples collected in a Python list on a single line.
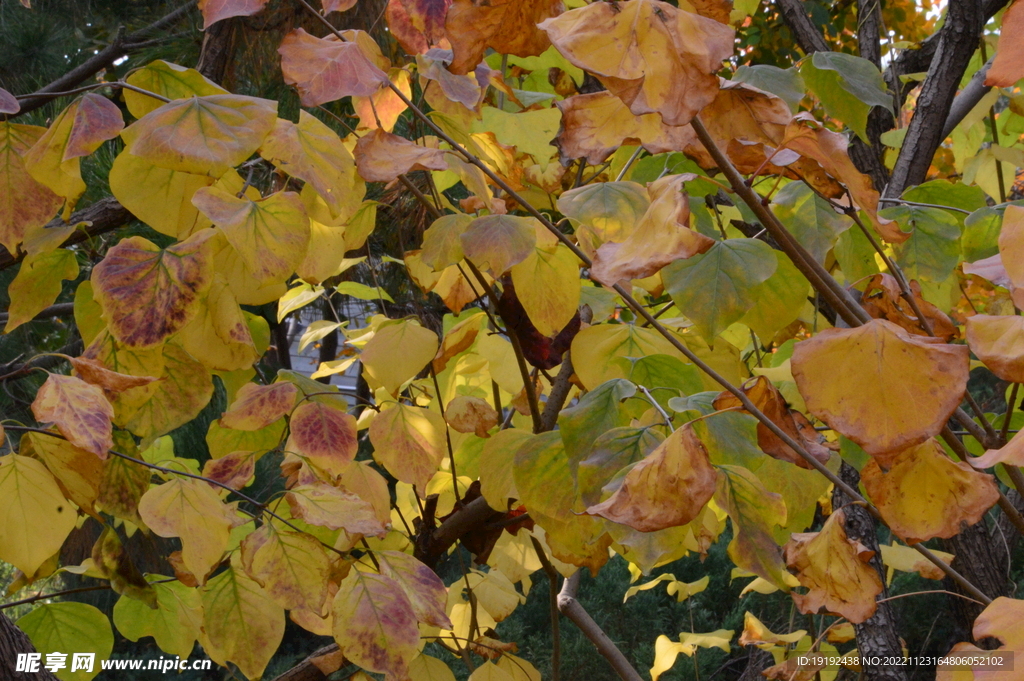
[(241, 623), (836, 570), (880, 386), (257, 406), (506, 26), (903, 558), (111, 382), (326, 69), (548, 285), (442, 241), (168, 80), (35, 518), (382, 156), (270, 234), (497, 242), (24, 203), (409, 442), (80, 411), (468, 414), (184, 388), (1001, 620), (323, 434), (397, 352), (290, 566), (202, 135), (219, 336), (314, 153), (608, 211), (217, 10), (79, 473), (148, 293), (191, 510), (925, 494), (383, 108), (160, 197), (654, 57), (79, 130), (1008, 66), (756, 633), (333, 508), (998, 341), (667, 488), (374, 624), (38, 284), (660, 237), (425, 590), (457, 289), (595, 125)]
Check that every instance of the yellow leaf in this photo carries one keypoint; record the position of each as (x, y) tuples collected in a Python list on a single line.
[(596, 347), (257, 406), (427, 668), (174, 624), (496, 481), (191, 510), (205, 135), (148, 293), (426, 592), (291, 567), (374, 624), (668, 488), (397, 352), (518, 668), (38, 284), (756, 633), (489, 671), (409, 442), (997, 341), (531, 132), (219, 336), (384, 105), (222, 441), (334, 508), (312, 152), (80, 410), (656, 58), (67, 627), (880, 386), (35, 518), (836, 570), (925, 494), (166, 79), (666, 650), (25, 204), (54, 160), (497, 242), (270, 234), (160, 197), (241, 623), (184, 388), (442, 242), (468, 414), (548, 286), (906, 559)]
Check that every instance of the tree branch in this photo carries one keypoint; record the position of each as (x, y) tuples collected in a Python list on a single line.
[(807, 34), (571, 608)]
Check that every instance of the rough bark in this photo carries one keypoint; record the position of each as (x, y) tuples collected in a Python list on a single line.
[(877, 636), (982, 559), (13, 641), (215, 59), (808, 36)]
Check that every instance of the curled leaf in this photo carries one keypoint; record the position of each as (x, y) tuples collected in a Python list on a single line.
[(327, 69), (382, 156)]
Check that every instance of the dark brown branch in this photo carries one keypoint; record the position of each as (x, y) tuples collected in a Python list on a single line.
[(13, 641), (808, 36), (957, 43), (968, 98), (307, 670), (121, 46)]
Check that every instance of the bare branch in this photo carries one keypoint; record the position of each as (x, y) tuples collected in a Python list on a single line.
[(571, 608)]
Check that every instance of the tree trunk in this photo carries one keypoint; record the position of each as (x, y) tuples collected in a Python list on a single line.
[(13, 641), (876, 636), (983, 561)]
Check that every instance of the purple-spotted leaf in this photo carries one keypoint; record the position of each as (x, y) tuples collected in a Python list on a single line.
[(80, 411), (333, 508), (323, 434), (375, 625), (290, 566), (257, 406), (425, 590)]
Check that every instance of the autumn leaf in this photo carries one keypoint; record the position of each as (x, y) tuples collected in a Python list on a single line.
[(35, 518), (167, 80), (334, 508), (25, 203), (880, 386), (56, 627), (374, 624), (468, 414), (241, 623), (217, 10), (270, 234), (506, 26), (418, 25), (80, 411), (550, 267), (925, 494), (257, 406), (202, 135), (191, 510), (836, 570), (38, 284), (903, 558), (666, 489), (426, 592), (174, 624), (409, 442), (324, 435), (660, 237), (1008, 66), (596, 124), (160, 197), (997, 341), (8, 103), (327, 69), (656, 58), (292, 567), (236, 470), (382, 156), (111, 382), (756, 633), (148, 293), (607, 211), (497, 242)]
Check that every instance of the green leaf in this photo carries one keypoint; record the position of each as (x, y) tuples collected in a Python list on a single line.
[(598, 411), (981, 234), (174, 625), (946, 193), (662, 371), (362, 291), (716, 288), (610, 454), (731, 439), (855, 255), (933, 250), (69, 628), (785, 83), (847, 86), (780, 299), (809, 218)]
